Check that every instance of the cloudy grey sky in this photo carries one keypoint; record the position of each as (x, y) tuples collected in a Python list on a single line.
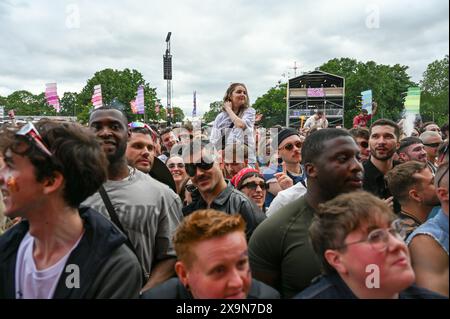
[(213, 43)]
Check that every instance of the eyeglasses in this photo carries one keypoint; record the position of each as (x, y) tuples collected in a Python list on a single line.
[(253, 186), (364, 144), (432, 144), (31, 133), (191, 168), (379, 238), (190, 188), (173, 165), (290, 146)]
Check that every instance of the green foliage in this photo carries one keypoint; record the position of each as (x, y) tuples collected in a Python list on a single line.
[(26, 103), (273, 106), (434, 98), (178, 114), (122, 86), (214, 109), (388, 85)]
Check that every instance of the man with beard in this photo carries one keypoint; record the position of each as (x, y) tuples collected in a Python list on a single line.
[(411, 149), (146, 214), (215, 192), (412, 184), (280, 251), (383, 142)]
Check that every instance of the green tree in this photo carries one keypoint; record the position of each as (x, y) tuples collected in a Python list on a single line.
[(26, 103), (273, 106), (434, 86), (69, 104), (388, 85), (214, 109), (178, 114), (120, 85)]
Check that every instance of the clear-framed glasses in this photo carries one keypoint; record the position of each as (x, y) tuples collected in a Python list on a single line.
[(31, 133), (379, 238), (173, 165)]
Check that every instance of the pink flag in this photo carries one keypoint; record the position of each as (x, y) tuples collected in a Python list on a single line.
[(140, 100), (97, 100), (51, 96), (133, 106)]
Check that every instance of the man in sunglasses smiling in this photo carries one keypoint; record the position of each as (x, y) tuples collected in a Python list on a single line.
[(431, 141), (289, 171), (216, 193)]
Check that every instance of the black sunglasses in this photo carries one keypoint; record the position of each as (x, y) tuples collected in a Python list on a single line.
[(364, 144), (254, 185), (290, 146), (190, 188), (432, 144), (191, 168)]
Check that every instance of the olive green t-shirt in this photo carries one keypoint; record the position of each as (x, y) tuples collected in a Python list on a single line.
[(281, 245)]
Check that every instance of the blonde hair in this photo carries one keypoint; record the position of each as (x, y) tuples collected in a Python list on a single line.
[(229, 92)]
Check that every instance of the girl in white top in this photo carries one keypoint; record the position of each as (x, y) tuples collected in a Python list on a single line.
[(236, 121)]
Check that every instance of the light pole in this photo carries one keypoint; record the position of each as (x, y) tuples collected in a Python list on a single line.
[(167, 62)]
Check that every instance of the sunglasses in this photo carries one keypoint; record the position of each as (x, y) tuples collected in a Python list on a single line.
[(190, 188), (253, 186), (191, 168), (173, 165), (432, 144), (290, 146), (30, 132), (140, 127), (364, 144)]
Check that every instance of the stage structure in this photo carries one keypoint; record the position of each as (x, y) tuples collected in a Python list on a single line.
[(314, 91)]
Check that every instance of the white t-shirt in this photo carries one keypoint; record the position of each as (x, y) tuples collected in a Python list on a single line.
[(285, 197), (32, 283)]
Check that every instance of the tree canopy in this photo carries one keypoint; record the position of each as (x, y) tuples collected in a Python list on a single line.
[(388, 84), (434, 97)]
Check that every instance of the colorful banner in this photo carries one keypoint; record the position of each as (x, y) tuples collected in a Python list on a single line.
[(97, 99), (133, 106), (194, 110), (367, 101), (412, 100), (315, 92), (140, 100), (51, 96)]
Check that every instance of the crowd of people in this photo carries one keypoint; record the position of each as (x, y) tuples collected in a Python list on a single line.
[(121, 209)]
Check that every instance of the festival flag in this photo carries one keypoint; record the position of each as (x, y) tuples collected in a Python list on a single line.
[(194, 110), (315, 92), (51, 96), (140, 100), (367, 101), (157, 107), (412, 100), (133, 106), (97, 100)]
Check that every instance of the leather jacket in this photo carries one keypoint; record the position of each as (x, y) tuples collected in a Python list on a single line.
[(231, 201)]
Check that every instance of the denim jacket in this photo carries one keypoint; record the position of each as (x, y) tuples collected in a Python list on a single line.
[(437, 228)]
